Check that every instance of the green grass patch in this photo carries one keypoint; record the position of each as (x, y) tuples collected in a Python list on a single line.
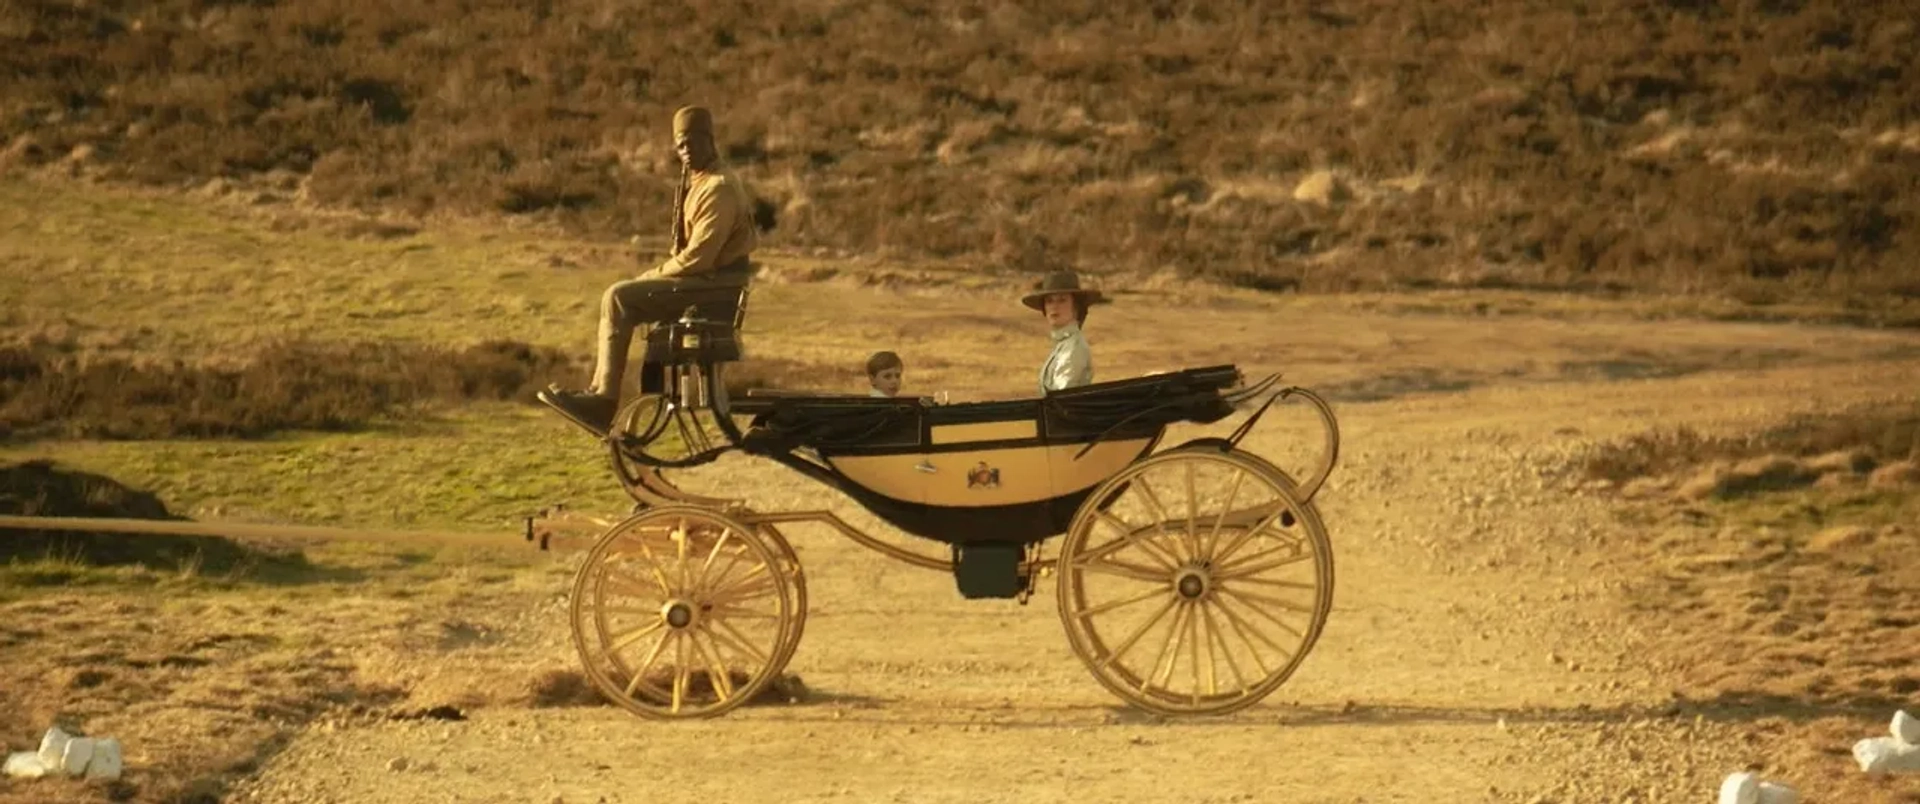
[(143, 274), (480, 467)]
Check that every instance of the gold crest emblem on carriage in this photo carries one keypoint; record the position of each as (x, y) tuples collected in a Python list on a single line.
[(982, 476)]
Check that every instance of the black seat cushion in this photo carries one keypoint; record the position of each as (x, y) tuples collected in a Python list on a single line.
[(719, 309)]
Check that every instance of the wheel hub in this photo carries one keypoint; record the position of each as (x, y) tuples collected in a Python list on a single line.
[(1192, 583), (678, 613)]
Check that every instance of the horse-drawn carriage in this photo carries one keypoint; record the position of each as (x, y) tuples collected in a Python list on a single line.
[(1191, 580)]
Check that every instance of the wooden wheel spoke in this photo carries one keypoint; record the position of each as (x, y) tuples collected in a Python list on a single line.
[(615, 643), (1097, 553), (716, 672), (680, 671), (1193, 652), (1298, 586), (1251, 565), (1214, 634), (716, 579), (725, 611), (1248, 635), (706, 567), (1163, 559), (1115, 604), (1124, 570), (1155, 674), (1212, 541), (1159, 510), (1127, 644), (640, 673), (737, 641), (756, 584), (1192, 536), (1241, 540), (680, 539), (644, 611), (1248, 599), (654, 567), (631, 585)]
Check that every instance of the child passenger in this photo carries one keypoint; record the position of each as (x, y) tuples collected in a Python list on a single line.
[(884, 370)]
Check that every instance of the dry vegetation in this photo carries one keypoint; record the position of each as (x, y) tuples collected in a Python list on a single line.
[(1776, 564), (291, 386), (1760, 147), (1805, 448), (203, 654)]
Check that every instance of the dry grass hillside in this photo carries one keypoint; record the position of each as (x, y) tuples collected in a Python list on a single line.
[(1763, 148)]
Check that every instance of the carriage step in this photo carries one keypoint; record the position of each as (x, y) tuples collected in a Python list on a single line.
[(989, 570)]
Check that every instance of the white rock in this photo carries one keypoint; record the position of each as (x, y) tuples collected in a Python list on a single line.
[(1906, 728), (106, 759), (1775, 793), (53, 747), (25, 765), (1886, 755), (1740, 788), (79, 752)]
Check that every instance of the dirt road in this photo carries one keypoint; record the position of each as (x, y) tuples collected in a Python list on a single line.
[(1482, 648)]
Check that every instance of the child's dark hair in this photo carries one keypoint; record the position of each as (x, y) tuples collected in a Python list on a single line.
[(881, 361)]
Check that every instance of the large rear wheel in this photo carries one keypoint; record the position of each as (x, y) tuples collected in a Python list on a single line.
[(1195, 581)]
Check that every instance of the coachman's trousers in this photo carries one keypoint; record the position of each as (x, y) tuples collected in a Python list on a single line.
[(631, 304)]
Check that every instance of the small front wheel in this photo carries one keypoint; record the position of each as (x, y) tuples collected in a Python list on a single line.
[(682, 612)]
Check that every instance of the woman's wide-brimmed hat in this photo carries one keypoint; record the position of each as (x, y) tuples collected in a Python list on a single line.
[(1061, 282)]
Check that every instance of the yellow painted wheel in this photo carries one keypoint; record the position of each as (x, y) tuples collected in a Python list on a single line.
[(1195, 582), (682, 612)]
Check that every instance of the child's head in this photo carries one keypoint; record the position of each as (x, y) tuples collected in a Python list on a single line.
[(883, 372)]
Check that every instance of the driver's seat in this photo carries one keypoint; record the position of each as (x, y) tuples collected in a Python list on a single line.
[(714, 317)]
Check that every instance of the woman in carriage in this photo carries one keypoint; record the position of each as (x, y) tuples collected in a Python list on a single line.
[(1064, 302)]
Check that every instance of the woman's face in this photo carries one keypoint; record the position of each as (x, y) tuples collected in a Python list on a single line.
[(1059, 309)]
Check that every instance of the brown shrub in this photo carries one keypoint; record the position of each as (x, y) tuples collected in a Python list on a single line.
[(1787, 455), (42, 488), (288, 386)]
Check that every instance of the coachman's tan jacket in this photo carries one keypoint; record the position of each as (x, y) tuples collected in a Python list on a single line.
[(719, 224)]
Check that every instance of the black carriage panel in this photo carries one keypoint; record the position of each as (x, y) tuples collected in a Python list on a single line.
[(832, 424), (1138, 407), (983, 412)]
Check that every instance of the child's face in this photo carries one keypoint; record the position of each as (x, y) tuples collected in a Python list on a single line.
[(888, 381)]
